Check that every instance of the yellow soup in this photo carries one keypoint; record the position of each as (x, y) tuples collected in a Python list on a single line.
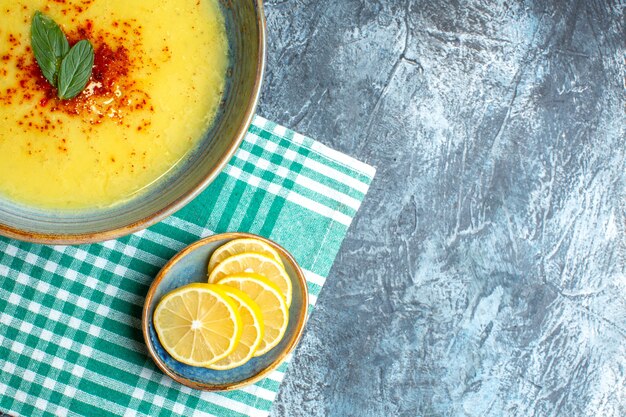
[(157, 82)]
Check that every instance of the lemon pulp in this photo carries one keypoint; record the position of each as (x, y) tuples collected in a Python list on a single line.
[(198, 324), (243, 245), (252, 332), (257, 263), (269, 299)]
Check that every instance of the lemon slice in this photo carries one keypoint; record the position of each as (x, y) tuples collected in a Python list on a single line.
[(198, 324), (254, 263), (269, 299), (237, 246), (251, 334)]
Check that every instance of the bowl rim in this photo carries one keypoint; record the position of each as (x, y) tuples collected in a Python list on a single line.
[(300, 324), (179, 203)]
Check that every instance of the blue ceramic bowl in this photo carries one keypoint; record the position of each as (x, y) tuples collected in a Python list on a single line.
[(190, 265), (245, 27)]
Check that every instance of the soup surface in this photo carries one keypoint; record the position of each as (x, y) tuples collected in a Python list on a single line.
[(157, 82)]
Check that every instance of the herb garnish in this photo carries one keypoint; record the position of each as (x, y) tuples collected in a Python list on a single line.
[(68, 70)]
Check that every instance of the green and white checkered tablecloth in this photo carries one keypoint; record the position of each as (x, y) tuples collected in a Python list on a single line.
[(70, 339)]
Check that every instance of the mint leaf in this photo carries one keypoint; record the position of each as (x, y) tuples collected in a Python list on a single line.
[(49, 45), (75, 70), (66, 69)]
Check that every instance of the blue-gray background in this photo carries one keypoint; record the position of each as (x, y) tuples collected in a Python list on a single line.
[(485, 273)]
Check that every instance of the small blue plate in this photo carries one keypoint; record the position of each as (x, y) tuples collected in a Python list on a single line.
[(190, 265)]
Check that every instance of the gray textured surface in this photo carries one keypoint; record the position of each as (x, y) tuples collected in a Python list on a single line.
[(485, 274)]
